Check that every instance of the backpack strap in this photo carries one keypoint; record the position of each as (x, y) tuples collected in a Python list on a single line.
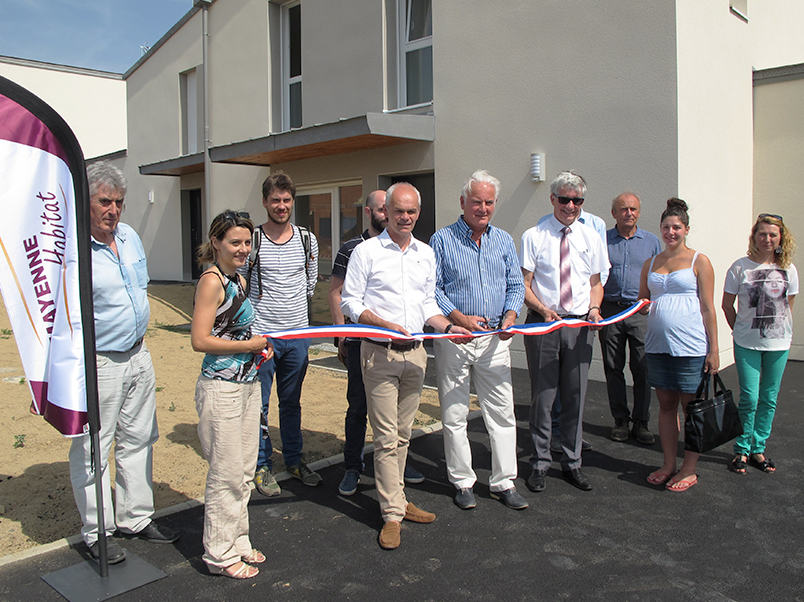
[(254, 262)]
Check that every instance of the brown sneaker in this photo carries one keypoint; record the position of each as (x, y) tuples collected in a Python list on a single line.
[(390, 535), (417, 515)]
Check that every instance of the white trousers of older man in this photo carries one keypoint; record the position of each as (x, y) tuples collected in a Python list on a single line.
[(487, 362)]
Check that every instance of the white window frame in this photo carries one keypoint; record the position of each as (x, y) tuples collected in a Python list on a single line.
[(403, 47), (287, 80)]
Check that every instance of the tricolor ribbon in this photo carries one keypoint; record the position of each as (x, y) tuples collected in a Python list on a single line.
[(359, 331)]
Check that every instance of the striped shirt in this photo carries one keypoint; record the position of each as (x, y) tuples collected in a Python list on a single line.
[(477, 280), (285, 284)]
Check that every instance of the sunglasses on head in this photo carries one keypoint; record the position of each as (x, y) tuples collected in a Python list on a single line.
[(771, 215), (564, 200), (233, 215)]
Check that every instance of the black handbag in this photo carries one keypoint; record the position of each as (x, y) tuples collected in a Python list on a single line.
[(711, 422)]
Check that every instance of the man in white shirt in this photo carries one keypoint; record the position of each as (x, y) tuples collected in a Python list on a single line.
[(391, 284), (562, 260)]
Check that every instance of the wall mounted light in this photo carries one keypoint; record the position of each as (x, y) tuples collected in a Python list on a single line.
[(537, 167), (151, 197)]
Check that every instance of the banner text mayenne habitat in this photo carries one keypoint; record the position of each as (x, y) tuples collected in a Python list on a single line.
[(51, 250)]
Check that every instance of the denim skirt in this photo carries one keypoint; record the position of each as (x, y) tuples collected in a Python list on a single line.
[(673, 373)]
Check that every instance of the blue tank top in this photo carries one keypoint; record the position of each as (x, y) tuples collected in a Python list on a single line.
[(675, 322)]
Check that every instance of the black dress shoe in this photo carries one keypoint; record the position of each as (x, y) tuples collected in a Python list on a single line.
[(114, 553), (575, 477), (535, 481), (154, 533)]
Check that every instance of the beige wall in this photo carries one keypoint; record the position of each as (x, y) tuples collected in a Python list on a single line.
[(92, 104), (778, 156), (717, 53), (342, 59)]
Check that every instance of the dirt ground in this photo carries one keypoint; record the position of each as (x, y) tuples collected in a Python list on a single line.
[(36, 500)]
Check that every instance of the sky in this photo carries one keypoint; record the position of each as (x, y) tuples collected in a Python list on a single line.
[(96, 34)]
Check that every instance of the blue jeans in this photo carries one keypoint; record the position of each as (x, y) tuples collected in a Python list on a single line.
[(356, 413), (290, 366)]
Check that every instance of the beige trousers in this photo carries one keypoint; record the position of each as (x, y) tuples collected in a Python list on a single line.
[(393, 382), (228, 427)]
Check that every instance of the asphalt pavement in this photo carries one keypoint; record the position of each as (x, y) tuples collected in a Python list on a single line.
[(728, 538)]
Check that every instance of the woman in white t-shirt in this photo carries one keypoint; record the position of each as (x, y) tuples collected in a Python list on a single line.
[(765, 284)]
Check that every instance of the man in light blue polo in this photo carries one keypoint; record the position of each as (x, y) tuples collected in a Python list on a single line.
[(629, 247), (479, 286), (126, 381)]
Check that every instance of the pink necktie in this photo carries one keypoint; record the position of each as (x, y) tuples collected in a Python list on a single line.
[(566, 272)]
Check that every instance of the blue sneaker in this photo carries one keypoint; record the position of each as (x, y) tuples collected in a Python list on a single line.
[(413, 476), (349, 483)]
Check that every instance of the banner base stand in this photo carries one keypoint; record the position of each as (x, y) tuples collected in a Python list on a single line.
[(82, 582)]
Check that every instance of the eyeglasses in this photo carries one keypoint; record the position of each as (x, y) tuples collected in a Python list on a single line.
[(564, 200), (108, 202), (771, 215), (234, 215)]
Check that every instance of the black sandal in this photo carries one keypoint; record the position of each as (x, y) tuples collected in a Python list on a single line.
[(738, 464), (766, 465)]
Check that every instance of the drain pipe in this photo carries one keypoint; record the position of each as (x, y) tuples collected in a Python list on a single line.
[(204, 4)]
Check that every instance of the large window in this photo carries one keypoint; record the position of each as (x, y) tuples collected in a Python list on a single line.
[(291, 66), (416, 52)]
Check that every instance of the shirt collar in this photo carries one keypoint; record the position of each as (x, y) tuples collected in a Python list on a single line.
[(467, 231), (557, 225), (640, 233), (118, 234), (386, 241)]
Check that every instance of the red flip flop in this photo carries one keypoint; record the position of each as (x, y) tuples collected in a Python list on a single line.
[(683, 484)]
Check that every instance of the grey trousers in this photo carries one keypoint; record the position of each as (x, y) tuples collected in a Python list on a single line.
[(558, 360)]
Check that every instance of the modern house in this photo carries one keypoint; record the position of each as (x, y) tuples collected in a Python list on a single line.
[(693, 98)]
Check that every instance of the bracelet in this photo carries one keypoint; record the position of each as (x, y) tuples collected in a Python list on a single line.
[(597, 307), (448, 328)]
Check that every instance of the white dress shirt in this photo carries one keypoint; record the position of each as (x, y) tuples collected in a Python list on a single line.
[(599, 226), (540, 254), (396, 285)]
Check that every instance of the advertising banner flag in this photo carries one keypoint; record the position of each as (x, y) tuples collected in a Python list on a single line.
[(42, 184)]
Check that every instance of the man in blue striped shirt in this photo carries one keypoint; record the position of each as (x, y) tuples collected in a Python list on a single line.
[(479, 286)]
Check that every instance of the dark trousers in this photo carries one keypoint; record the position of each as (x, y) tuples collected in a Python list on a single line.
[(614, 339), (355, 427), (558, 364)]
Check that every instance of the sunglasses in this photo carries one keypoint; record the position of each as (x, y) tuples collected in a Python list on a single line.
[(564, 200), (771, 215), (234, 215)]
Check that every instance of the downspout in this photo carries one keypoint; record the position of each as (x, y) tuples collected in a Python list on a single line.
[(205, 71)]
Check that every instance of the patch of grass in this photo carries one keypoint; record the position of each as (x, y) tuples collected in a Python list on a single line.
[(5, 333), (159, 389), (19, 441), (172, 407), (22, 380)]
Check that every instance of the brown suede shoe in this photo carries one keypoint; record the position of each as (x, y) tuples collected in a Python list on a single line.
[(417, 515), (390, 536)]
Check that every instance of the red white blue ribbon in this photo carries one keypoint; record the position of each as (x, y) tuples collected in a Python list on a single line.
[(358, 331)]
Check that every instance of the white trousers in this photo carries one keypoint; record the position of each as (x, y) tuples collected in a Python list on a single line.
[(488, 361), (127, 399)]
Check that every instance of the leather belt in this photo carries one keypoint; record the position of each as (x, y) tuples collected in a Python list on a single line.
[(396, 346), (619, 303)]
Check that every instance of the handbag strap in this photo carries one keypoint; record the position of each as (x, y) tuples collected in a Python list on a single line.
[(703, 388), (718, 388)]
